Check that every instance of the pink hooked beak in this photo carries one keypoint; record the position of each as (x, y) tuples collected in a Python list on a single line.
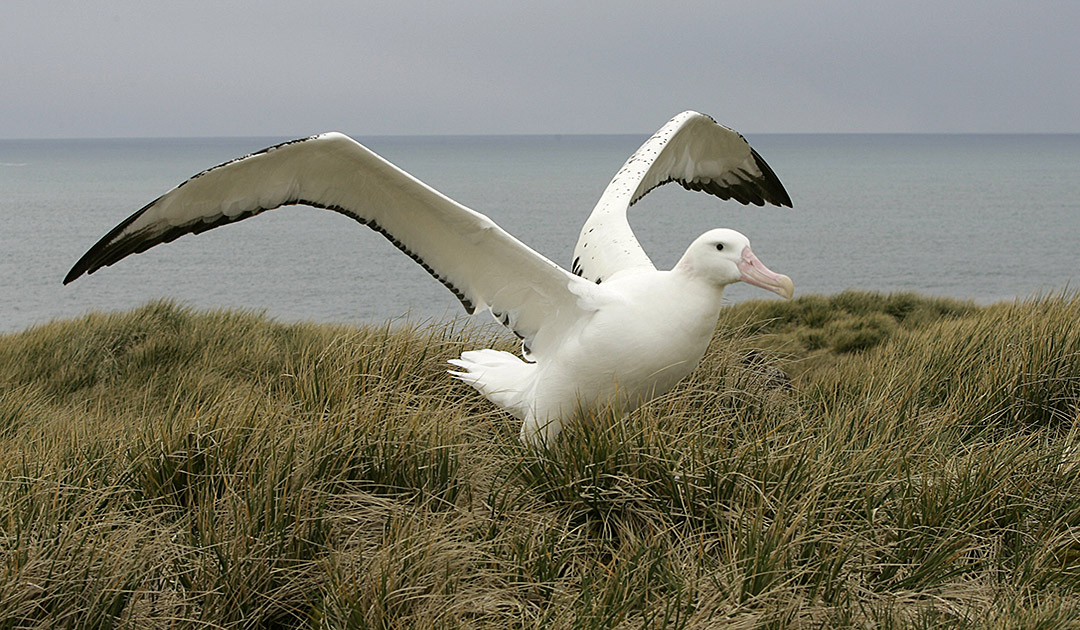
[(755, 273)]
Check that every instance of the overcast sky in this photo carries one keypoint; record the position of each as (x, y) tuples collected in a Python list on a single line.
[(122, 68)]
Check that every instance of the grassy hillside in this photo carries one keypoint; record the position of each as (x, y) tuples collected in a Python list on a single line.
[(850, 461)]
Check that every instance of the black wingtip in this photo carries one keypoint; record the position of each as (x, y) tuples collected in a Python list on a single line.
[(111, 248), (83, 265), (771, 185)]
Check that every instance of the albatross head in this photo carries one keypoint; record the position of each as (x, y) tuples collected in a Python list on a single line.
[(724, 256)]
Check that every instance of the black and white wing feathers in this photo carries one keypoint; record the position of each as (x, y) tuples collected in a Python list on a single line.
[(691, 149), (483, 265)]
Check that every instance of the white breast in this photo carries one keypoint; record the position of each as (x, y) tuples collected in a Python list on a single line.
[(652, 333)]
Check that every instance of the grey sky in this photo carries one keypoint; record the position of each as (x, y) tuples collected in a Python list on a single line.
[(132, 68)]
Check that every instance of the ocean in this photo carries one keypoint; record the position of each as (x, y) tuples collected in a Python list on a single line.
[(983, 217)]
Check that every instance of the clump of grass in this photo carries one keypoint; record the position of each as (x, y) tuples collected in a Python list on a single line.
[(917, 467), (860, 333), (846, 322)]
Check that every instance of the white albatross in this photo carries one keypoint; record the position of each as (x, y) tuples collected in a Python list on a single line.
[(613, 331)]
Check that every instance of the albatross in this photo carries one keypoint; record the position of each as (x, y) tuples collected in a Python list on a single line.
[(613, 330)]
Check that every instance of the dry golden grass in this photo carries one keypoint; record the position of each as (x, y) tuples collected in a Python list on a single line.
[(166, 468)]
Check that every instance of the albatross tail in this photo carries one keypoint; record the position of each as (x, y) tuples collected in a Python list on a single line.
[(499, 376)]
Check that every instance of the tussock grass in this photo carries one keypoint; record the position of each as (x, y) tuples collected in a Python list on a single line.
[(852, 461)]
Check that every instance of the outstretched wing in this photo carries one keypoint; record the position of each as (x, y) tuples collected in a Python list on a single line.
[(483, 265), (691, 149)]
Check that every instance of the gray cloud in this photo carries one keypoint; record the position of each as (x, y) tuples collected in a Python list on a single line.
[(126, 68)]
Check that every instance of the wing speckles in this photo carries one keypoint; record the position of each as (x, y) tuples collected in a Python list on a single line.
[(575, 267)]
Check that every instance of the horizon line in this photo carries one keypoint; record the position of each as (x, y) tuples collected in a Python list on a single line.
[(539, 135)]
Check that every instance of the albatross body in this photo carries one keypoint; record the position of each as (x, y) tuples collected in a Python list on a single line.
[(613, 331)]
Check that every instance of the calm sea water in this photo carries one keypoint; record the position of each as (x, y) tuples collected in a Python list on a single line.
[(987, 217)]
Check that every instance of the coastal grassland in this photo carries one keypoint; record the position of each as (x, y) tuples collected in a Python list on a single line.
[(850, 461)]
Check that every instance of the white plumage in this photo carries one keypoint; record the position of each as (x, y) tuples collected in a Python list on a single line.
[(615, 331)]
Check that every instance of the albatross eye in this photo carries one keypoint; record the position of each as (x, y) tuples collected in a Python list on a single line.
[(719, 247)]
